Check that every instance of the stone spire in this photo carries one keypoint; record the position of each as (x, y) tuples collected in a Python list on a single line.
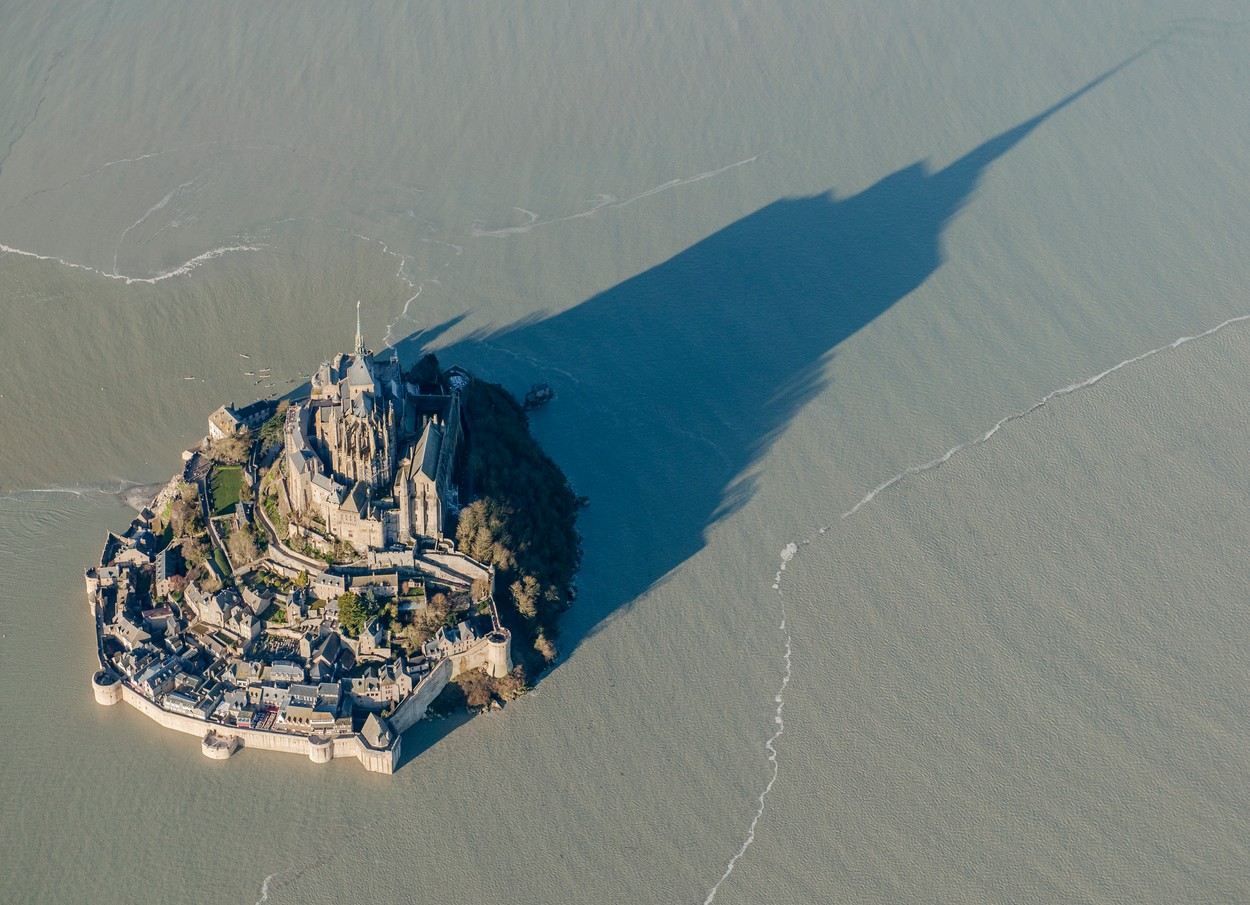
[(360, 340)]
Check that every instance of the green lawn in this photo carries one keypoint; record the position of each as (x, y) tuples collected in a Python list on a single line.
[(224, 485)]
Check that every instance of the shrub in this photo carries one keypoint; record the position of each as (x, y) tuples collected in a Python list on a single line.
[(525, 522)]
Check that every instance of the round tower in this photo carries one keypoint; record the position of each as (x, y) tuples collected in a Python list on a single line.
[(106, 687), (320, 749), (499, 652), (219, 747)]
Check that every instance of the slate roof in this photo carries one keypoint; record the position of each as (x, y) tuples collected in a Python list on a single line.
[(358, 500), (425, 455), (359, 374), (376, 732)]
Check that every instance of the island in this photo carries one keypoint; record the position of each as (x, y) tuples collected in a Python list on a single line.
[(329, 567)]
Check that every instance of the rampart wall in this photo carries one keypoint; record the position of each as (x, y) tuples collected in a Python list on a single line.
[(414, 706), (492, 653), (383, 761)]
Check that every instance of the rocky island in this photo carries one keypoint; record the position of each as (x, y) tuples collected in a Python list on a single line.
[(328, 566)]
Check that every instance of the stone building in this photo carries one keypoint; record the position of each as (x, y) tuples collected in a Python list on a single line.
[(224, 423), (368, 459)]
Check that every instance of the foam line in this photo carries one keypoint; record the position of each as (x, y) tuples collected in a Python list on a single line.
[(698, 177), (150, 211), (181, 270), (791, 550), (125, 160), (264, 889), (79, 490), (1024, 413), (778, 718), (601, 202), (389, 338)]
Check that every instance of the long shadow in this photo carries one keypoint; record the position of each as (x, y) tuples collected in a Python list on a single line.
[(680, 378)]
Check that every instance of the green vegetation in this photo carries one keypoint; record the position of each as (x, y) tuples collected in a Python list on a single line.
[(343, 552), (270, 502), (270, 434), (355, 610), (224, 485), (524, 524), (301, 545), (272, 581)]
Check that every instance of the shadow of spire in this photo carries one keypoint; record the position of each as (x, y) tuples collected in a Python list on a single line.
[(961, 177), (686, 373)]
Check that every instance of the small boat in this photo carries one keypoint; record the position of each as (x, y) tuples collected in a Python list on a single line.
[(249, 373), (188, 378), (244, 355)]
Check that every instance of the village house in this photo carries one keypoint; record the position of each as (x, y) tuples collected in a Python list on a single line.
[(380, 685), (448, 641), (225, 423)]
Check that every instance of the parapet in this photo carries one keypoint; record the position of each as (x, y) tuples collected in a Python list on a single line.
[(499, 653), (106, 687), (320, 749), (219, 747)]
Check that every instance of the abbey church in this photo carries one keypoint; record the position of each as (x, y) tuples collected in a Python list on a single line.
[(369, 458)]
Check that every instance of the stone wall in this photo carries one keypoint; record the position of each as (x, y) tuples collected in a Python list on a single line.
[(344, 746), (492, 653), (452, 568), (414, 706)]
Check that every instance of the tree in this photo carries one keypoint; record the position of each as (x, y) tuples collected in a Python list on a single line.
[(524, 523), (242, 546), (426, 372), (355, 611), (179, 511), (194, 550), (546, 649), (525, 594), (439, 607), (230, 450), (301, 580), (477, 686), (271, 432), (428, 620)]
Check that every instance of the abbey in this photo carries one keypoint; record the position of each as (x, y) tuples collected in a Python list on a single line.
[(369, 458), (297, 587)]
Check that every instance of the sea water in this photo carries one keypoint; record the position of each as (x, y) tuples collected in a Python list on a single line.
[(914, 550)]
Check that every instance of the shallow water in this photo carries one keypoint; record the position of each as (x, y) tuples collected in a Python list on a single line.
[(769, 260)]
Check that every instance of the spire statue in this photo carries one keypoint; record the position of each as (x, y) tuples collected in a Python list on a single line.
[(360, 340)]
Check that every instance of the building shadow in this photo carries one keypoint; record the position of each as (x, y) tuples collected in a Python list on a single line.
[(680, 378)]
